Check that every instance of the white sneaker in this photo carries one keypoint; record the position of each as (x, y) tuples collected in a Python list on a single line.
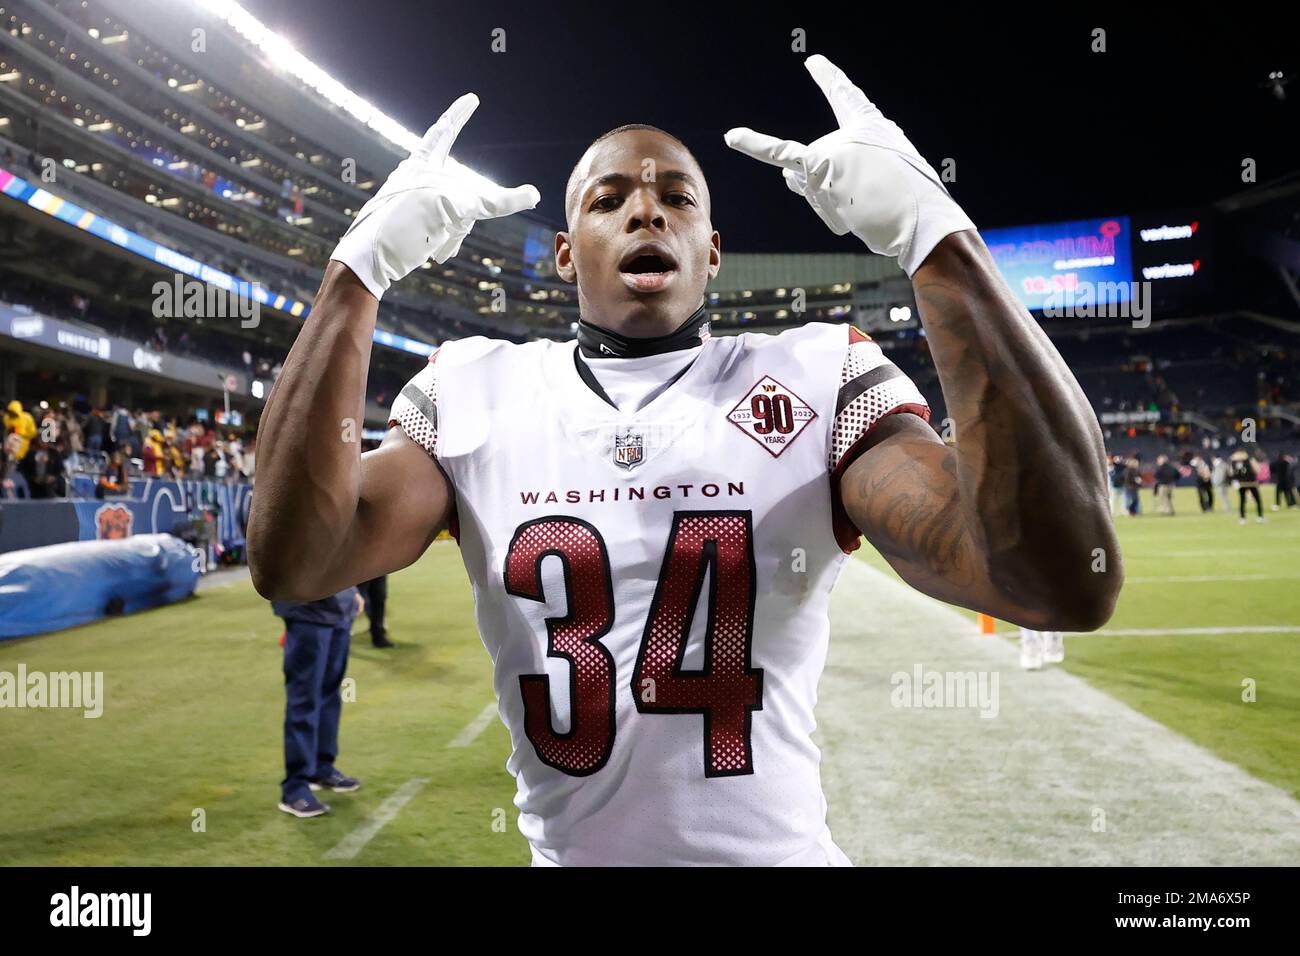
[(1259, 520), (1053, 647), (1031, 649)]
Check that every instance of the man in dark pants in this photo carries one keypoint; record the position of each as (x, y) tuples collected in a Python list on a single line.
[(316, 640), (1245, 476), (375, 594), (1282, 481), (1166, 478)]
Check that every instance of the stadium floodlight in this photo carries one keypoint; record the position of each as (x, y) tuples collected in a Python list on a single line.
[(283, 56)]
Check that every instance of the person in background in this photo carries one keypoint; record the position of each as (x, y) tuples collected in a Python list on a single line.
[(1204, 484), (198, 464), (114, 480), (316, 639), (1116, 483), (1282, 480), (43, 469), (174, 461), (120, 430), (1132, 486), (235, 457), (140, 428), (193, 438), (218, 463), (13, 484), (153, 454), (1219, 476), (96, 432), (375, 593), (250, 460), (71, 428), (1244, 474), (20, 422), (49, 426), (1166, 478)]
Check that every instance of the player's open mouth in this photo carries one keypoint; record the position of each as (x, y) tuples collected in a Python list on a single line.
[(648, 267)]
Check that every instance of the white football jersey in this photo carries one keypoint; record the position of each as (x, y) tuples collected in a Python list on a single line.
[(652, 587)]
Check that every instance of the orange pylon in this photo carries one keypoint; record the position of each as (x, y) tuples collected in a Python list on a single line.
[(987, 624)]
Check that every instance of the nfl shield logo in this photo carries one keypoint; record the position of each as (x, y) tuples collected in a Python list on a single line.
[(629, 449)]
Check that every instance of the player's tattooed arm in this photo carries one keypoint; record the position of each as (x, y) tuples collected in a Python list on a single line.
[(1014, 520), (325, 516)]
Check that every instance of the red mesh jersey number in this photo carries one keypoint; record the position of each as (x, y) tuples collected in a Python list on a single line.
[(772, 413), (586, 746), (727, 690)]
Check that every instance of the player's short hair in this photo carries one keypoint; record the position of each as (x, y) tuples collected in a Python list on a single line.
[(625, 128)]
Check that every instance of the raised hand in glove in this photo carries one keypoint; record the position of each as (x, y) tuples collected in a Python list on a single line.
[(425, 209), (866, 177)]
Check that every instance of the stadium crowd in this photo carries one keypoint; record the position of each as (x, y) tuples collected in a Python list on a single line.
[(44, 447)]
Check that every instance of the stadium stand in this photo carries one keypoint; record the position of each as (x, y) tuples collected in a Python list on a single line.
[(130, 157)]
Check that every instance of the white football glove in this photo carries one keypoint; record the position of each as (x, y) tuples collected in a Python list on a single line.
[(426, 208), (865, 178)]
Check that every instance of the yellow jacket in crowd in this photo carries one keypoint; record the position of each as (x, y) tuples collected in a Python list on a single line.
[(21, 424)]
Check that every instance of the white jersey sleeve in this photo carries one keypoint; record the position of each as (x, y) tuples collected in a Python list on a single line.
[(871, 388), (416, 409)]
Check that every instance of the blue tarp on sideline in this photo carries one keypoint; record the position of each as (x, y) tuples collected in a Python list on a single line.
[(63, 585)]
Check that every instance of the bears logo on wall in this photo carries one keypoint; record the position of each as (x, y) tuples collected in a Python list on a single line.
[(113, 522)]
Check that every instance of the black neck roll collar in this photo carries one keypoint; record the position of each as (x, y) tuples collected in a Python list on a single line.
[(595, 342)]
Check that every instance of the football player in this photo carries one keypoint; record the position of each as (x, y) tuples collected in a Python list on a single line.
[(652, 518)]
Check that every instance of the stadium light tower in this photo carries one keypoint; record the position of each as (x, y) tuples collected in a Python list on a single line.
[(282, 54)]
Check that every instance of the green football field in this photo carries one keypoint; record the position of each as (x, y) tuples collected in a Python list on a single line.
[(183, 765), (1207, 572)]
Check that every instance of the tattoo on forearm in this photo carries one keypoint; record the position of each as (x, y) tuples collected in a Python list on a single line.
[(913, 521)]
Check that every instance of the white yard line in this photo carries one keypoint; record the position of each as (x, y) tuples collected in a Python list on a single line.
[(1189, 578), (909, 786), (475, 727), (1207, 553), (356, 841)]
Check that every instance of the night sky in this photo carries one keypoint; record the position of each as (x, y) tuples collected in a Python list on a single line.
[(1041, 128)]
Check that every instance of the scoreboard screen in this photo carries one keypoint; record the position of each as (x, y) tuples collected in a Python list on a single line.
[(1054, 264)]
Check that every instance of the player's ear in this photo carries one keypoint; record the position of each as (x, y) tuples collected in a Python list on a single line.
[(564, 258), (715, 254)]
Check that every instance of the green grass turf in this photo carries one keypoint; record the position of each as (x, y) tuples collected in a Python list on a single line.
[(1193, 683), (192, 719), (194, 704)]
